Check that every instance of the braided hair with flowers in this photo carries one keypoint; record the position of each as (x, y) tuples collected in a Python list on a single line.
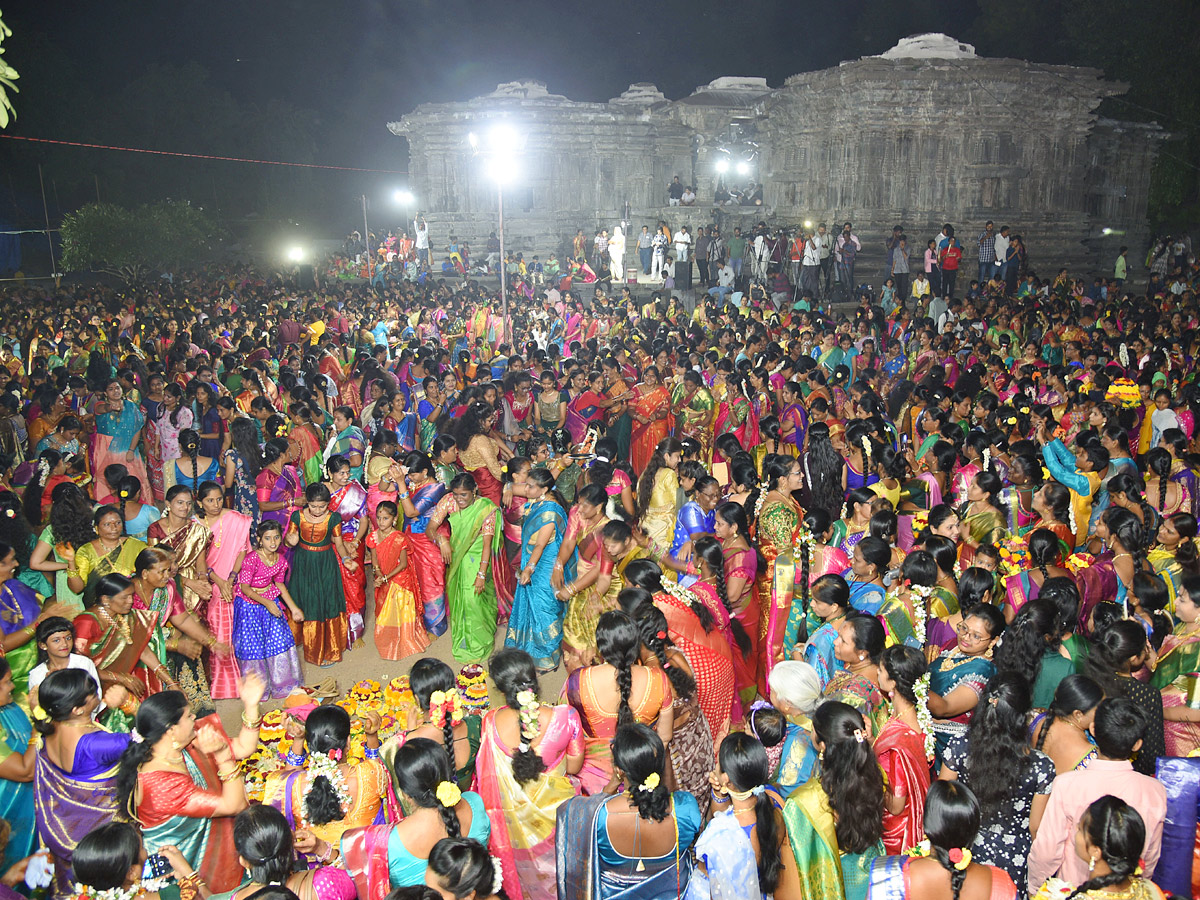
[(326, 794), (515, 675)]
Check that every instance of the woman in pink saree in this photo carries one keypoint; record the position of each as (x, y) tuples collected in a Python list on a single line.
[(230, 544), (527, 752)]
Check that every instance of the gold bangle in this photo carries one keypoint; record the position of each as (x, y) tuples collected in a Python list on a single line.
[(234, 773), (257, 722)]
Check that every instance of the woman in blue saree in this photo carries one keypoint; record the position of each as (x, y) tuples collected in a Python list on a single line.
[(348, 441), (535, 624), (871, 559), (422, 492), (793, 421), (118, 433), (693, 521), (958, 676), (830, 602), (18, 751), (592, 833)]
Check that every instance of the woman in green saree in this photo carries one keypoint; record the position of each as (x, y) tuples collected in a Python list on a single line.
[(475, 537), (984, 517), (835, 819)]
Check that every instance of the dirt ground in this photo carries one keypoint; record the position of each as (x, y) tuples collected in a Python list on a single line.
[(365, 662)]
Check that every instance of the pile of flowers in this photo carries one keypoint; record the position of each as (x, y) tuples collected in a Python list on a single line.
[(1014, 555), (392, 699), (1077, 562)]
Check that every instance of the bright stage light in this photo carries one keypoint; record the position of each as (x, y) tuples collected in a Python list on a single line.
[(722, 166), (503, 139), (501, 168), (808, 223), (295, 254), (473, 139), (404, 198), (743, 168)]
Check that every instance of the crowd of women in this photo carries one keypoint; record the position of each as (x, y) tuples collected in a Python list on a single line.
[(847, 607)]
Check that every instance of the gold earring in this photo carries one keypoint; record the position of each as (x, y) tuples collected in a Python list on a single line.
[(1091, 865), (174, 744)]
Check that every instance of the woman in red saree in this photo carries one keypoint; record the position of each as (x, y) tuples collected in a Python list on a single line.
[(706, 649), (649, 407), (732, 529), (735, 414), (184, 785), (900, 748)]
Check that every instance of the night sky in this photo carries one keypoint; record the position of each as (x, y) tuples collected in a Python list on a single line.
[(357, 65)]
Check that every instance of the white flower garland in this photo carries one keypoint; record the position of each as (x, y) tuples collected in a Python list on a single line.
[(1123, 355), (806, 543), (920, 595), (1071, 514), (529, 717), (322, 764), (924, 717), (83, 892), (763, 490), (676, 590), (986, 457)]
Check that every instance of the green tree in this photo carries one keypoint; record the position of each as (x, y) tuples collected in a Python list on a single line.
[(132, 244), (8, 75)]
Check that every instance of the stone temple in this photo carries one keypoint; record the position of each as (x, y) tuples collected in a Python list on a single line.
[(924, 134)]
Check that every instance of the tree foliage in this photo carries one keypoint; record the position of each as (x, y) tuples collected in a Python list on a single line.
[(8, 77), (134, 243)]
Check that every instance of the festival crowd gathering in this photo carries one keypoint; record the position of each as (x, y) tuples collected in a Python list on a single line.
[(898, 598)]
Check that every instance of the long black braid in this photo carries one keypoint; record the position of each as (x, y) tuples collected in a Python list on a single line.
[(957, 876), (709, 550)]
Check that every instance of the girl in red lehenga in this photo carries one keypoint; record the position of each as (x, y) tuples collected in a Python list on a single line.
[(348, 499), (399, 627)]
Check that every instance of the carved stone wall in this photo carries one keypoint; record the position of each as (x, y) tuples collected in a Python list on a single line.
[(925, 134)]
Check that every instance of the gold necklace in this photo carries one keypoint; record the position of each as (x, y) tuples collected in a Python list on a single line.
[(120, 622)]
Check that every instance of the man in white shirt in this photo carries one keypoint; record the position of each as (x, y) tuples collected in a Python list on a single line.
[(683, 258), (810, 265), (1001, 245), (422, 231), (825, 248), (724, 282)]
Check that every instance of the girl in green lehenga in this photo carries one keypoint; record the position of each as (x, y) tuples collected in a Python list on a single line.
[(475, 537), (835, 819)]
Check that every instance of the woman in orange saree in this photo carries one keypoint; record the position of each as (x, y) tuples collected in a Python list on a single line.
[(778, 525), (650, 406)]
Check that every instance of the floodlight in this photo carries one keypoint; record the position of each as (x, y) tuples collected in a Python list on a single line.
[(295, 254), (404, 198), (743, 168), (722, 166)]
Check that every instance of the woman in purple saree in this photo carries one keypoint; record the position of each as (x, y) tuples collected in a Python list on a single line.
[(75, 775)]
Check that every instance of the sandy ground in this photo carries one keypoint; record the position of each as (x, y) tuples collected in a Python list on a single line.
[(365, 662)]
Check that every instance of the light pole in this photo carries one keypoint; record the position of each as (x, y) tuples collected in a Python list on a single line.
[(500, 153), (366, 236)]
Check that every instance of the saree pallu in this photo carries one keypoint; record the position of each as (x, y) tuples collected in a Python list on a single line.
[(16, 798), (737, 417), (745, 666), (272, 488), (818, 653), (522, 815), (901, 754), (823, 560), (1179, 658), (691, 751), (92, 567), (658, 521), (585, 607), (580, 415), (793, 442), (987, 527), (644, 438), (112, 650), (582, 876), (231, 539), (709, 656), (365, 858), (190, 544), (112, 440), (536, 622), (310, 453), (399, 628), (694, 421), (503, 577), (473, 613), (730, 867), (350, 502), (945, 674), (19, 609), (154, 461), (1019, 589), (778, 524), (898, 625), (68, 807), (862, 694), (425, 556), (865, 596), (797, 755), (811, 832), (205, 841)]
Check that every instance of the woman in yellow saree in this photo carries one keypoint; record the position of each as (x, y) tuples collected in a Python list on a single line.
[(835, 820), (656, 494), (695, 408), (778, 524), (526, 753)]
